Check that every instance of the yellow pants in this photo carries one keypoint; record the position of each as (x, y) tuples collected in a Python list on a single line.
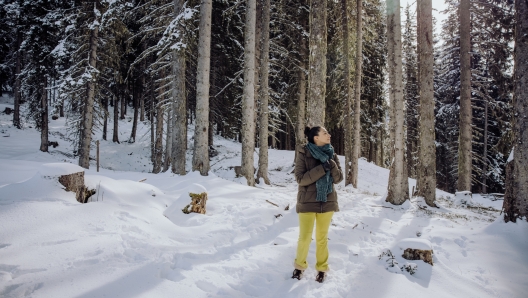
[(306, 224)]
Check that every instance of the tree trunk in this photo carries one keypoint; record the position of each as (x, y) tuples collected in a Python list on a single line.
[(152, 129), (158, 146), (301, 99), (168, 145), (317, 62), (123, 100), (179, 132), (105, 120), (301, 104), (44, 116), (16, 112), (427, 153), (115, 135), (485, 155), (132, 138), (465, 136), (398, 188), (264, 94), (517, 190), (248, 97), (179, 106), (143, 92), (348, 97), (201, 134), (356, 140), (84, 149)]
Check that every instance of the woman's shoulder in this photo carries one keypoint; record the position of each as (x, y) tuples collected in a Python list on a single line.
[(301, 148)]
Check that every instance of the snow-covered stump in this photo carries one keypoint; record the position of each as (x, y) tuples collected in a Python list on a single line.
[(71, 177), (417, 249), (464, 198), (198, 195)]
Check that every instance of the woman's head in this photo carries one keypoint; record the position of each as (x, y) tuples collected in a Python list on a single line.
[(317, 135)]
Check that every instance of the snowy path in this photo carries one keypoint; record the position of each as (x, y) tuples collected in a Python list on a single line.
[(134, 241)]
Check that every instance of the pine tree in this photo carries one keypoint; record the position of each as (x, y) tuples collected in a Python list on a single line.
[(464, 148), (516, 197), (427, 153), (248, 100), (264, 93), (410, 90), (398, 189), (317, 64), (201, 135)]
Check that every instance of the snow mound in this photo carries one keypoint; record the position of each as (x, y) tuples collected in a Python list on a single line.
[(415, 243), (463, 198), (59, 169), (196, 188)]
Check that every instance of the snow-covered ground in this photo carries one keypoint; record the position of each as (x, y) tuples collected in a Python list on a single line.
[(133, 240)]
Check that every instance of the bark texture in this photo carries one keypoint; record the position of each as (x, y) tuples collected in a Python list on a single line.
[(168, 144), (264, 94), (158, 145), (132, 138), (44, 117), (464, 147), (115, 134), (198, 203), (201, 134), (348, 96), (517, 189), (75, 182), (16, 114), (179, 107), (356, 138), (86, 133), (418, 254), (317, 64), (427, 152), (248, 97), (398, 188)]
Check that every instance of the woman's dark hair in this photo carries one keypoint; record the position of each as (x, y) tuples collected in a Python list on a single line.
[(310, 133)]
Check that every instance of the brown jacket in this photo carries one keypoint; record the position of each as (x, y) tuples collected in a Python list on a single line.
[(307, 171)]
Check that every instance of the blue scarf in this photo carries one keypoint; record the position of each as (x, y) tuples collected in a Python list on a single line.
[(324, 184)]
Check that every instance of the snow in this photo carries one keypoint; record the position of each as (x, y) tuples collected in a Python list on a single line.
[(59, 169), (132, 240), (510, 157), (415, 243)]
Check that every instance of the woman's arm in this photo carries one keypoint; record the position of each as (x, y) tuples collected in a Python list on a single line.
[(337, 173), (304, 176)]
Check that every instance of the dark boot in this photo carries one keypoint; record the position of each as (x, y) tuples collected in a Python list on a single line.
[(320, 276), (297, 274)]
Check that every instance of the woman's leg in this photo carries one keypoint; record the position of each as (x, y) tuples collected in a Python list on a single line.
[(306, 224), (322, 224)]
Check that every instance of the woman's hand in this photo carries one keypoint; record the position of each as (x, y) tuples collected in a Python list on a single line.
[(332, 163), (327, 165)]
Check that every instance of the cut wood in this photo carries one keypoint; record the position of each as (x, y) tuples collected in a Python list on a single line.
[(75, 182), (417, 249), (198, 203), (418, 254)]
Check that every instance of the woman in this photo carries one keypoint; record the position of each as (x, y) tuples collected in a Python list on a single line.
[(316, 169)]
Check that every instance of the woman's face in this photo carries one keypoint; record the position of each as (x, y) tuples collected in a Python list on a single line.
[(322, 138)]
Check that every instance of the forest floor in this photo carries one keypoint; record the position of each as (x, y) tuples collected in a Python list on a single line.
[(132, 239)]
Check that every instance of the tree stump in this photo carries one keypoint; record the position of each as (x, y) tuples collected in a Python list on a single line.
[(238, 171), (198, 203), (418, 254), (75, 182), (417, 249)]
